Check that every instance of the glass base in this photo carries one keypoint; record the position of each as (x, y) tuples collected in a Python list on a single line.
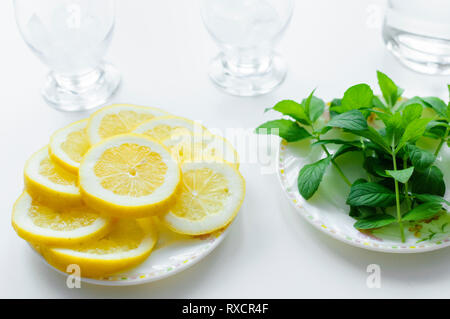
[(422, 54), (83, 92), (247, 80)]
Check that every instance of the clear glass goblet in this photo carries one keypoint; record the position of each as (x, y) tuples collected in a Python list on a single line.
[(246, 32), (71, 37)]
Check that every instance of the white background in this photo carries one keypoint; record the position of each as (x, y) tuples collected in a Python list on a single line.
[(163, 52)]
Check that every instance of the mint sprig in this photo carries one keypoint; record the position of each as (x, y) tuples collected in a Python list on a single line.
[(402, 184)]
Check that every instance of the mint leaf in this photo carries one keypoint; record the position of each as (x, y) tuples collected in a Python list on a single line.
[(413, 132), (345, 149), (401, 176), (352, 120), (286, 129), (422, 212), (437, 105), (357, 97), (292, 109), (429, 181), (370, 194), (410, 113), (315, 109), (391, 92), (375, 137), (420, 159), (376, 221), (431, 198), (375, 166), (310, 177)]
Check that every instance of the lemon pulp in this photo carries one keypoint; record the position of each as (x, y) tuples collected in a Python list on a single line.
[(131, 169)]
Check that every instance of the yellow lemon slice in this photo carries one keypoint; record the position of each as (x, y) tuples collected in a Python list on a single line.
[(118, 119), (69, 144), (49, 183), (128, 244), (128, 175), (209, 198), (162, 128), (201, 147), (42, 225)]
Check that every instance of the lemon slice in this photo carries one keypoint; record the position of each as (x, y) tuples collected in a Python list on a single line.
[(49, 183), (128, 175), (43, 225), (128, 244), (201, 147), (69, 144), (162, 128), (210, 196), (118, 119)]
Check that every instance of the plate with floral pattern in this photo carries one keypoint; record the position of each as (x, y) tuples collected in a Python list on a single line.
[(328, 212), (172, 254)]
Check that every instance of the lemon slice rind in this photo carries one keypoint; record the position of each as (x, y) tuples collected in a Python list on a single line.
[(56, 152), (96, 118), (201, 148), (218, 220), (102, 199), (43, 189), (96, 266), (35, 234), (178, 125)]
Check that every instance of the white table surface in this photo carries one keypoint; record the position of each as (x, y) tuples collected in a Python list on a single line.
[(163, 52)]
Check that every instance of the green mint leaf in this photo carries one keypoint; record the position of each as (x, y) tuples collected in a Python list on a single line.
[(292, 109), (376, 167), (422, 212), (362, 212), (345, 149), (436, 104), (401, 176), (410, 113), (420, 159), (431, 198), (376, 221), (378, 104), (436, 129), (337, 142), (374, 137), (394, 128), (286, 129), (352, 120), (315, 109), (413, 132), (310, 177), (370, 194), (391, 92), (357, 97), (429, 181), (307, 102)]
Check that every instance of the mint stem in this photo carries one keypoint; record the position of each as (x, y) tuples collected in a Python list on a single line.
[(442, 142), (397, 200), (407, 199), (336, 166), (339, 170)]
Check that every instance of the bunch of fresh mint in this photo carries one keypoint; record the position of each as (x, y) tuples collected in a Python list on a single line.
[(400, 174)]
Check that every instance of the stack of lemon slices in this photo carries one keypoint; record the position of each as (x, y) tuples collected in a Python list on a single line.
[(96, 193)]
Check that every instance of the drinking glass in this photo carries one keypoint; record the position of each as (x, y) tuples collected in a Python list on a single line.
[(71, 37), (246, 32), (417, 32)]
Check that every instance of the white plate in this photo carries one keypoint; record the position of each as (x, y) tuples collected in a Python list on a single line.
[(327, 210), (173, 253)]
